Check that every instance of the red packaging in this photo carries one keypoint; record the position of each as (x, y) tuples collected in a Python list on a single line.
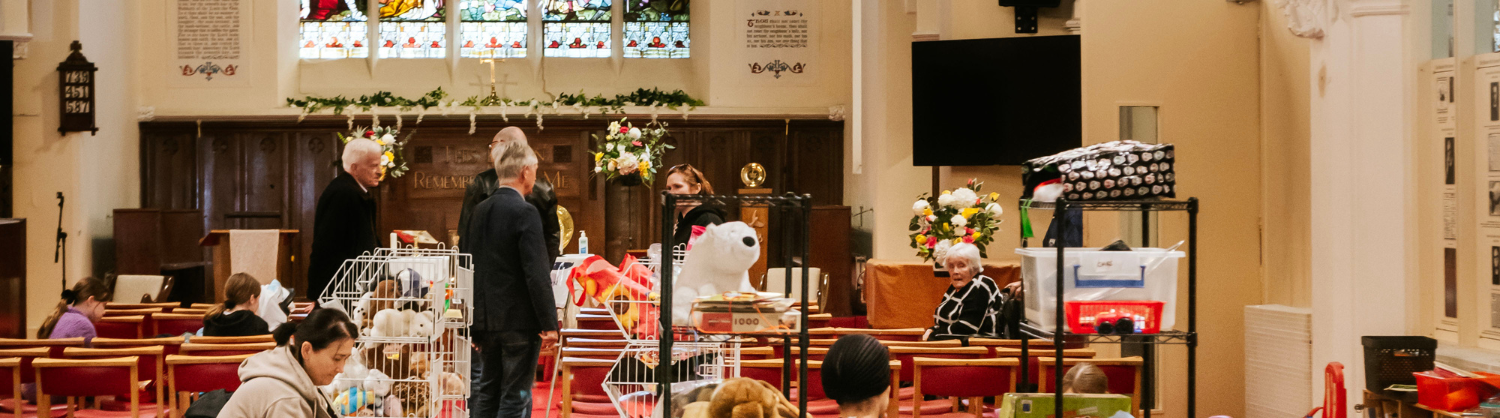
[(1083, 315), (1443, 390)]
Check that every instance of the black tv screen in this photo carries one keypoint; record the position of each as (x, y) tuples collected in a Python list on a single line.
[(995, 101)]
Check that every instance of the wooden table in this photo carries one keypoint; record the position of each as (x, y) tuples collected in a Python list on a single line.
[(905, 294)]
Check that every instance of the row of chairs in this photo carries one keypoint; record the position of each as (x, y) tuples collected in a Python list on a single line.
[(159, 375), (139, 320)]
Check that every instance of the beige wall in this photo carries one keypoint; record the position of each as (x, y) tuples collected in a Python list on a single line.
[(1285, 161)]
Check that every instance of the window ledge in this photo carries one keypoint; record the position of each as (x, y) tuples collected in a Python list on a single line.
[(1469, 358)]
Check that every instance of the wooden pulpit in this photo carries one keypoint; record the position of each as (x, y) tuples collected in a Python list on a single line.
[(224, 262)]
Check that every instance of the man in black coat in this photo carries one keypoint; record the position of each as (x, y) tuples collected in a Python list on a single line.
[(515, 316), (542, 196), (344, 223)]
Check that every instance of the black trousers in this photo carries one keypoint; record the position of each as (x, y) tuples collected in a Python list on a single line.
[(507, 373)]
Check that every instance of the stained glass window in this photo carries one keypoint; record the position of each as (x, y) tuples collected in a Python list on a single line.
[(576, 28), (656, 29), (413, 29), (492, 28), (333, 29)]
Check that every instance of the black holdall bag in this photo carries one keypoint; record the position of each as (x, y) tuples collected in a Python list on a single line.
[(208, 405)]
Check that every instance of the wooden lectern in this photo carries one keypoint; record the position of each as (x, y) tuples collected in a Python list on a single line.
[(223, 264)]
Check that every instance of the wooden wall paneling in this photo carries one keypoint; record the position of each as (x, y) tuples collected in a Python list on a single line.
[(817, 163), (313, 156), (219, 159), (169, 158), (262, 188), (138, 241), (13, 278)]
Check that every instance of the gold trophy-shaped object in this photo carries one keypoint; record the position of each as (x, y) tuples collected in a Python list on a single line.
[(753, 175)]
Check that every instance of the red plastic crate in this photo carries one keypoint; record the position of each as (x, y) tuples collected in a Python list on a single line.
[(1442, 390), (1145, 313)]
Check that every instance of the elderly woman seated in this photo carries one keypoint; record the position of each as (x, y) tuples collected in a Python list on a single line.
[(971, 306)]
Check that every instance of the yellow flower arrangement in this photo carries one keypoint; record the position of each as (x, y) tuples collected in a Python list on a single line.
[(954, 217)]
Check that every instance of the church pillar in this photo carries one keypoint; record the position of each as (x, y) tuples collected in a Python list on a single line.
[(1363, 171)]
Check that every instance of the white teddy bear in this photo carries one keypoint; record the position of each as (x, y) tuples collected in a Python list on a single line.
[(379, 383), (421, 324), (390, 323), (719, 262)]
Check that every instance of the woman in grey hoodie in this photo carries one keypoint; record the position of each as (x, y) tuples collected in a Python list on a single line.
[(283, 382)]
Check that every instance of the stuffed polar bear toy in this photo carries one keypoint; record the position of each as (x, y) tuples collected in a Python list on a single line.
[(719, 262)]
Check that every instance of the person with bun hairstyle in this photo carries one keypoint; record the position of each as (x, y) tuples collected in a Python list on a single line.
[(238, 316), (683, 179), (857, 374), (80, 308), (283, 382)]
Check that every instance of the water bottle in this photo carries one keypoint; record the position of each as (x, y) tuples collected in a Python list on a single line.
[(583, 243)]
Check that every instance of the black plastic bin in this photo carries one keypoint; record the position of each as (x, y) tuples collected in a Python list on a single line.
[(1392, 360)]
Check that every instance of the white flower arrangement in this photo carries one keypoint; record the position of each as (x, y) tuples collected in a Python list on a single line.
[(392, 162), (953, 217)]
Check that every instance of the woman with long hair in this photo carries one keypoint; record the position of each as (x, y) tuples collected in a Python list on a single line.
[(684, 179), (238, 315), (283, 382), (76, 313)]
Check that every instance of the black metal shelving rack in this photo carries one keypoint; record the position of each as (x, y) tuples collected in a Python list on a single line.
[(1060, 337), (793, 212)]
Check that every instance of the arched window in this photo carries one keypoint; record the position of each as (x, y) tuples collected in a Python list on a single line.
[(492, 28), (576, 28), (333, 29), (656, 29)]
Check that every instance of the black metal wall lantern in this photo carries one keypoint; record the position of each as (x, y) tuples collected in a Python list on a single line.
[(75, 79)]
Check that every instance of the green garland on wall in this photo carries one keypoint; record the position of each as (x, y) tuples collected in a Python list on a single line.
[(640, 97)]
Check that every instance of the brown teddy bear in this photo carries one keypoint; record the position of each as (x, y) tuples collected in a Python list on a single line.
[(749, 398)]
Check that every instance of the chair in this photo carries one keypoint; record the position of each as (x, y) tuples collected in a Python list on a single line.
[(84, 378), (195, 374), (592, 343), (176, 323), (18, 361), (200, 349), (905, 356), (233, 340), (203, 306), (121, 327), (1124, 375), (186, 311), (599, 322), (596, 334), (813, 353), (142, 288), (849, 322), (775, 280), (583, 389), (169, 345), (1334, 395), (132, 312), (757, 353), (164, 306), (964, 378), (591, 353), (593, 311), (939, 343), (819, 320), (903, 334), (148, 369), (54, 347)]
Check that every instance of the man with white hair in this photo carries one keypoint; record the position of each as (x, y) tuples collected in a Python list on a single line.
[(541, 196), (514, 314), (344, 223)]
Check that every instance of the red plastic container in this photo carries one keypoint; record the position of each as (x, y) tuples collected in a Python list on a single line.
[(1446, 391), (1084, 315)]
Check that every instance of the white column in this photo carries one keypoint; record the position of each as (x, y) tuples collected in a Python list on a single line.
[(1363, 192)]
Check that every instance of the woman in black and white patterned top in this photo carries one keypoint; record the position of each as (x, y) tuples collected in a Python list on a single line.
[(971, 306)]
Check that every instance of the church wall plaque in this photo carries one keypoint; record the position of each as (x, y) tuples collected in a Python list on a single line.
[(268, 174)]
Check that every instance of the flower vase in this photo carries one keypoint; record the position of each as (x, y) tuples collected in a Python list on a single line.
[(627, 219), (628, 180)]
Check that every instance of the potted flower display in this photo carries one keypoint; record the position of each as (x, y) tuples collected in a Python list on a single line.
[(630, 154), (955, 216), (391, 160)]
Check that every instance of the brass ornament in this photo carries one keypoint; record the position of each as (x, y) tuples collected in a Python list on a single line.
[(565, 228), (753, 175)]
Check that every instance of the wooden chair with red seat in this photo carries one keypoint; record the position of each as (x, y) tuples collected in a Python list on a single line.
[(164, 306), (149, 372), (233, 340), (197, 374), (757, 353), (132, 312), (54, 347), (169, 345), (1123, 374), (1033, 364), (819, 320), (10, 380), (176, 323), (583, 389), (591, 353), (931, 344), (203, 306), (813, 353), (213, 350), (11, 402), (133, 326), (593, 334), (188, 311), (964, 378), (598, 322), (906, 356), (818, 403), (593, 343), (75, 379), (903, 334)]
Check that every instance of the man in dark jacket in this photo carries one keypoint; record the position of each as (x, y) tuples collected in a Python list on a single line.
[(542, 197), (515, 316), (344, 223)]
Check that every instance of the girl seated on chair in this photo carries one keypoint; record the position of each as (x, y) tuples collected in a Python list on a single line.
[(238, 315)]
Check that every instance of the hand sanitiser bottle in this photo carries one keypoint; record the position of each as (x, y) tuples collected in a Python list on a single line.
[(583, 243)]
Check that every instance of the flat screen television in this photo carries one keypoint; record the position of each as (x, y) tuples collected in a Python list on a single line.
[(995, 101)]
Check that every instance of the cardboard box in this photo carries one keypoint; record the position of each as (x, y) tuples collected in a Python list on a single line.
[(739, 322), (1040, 405)]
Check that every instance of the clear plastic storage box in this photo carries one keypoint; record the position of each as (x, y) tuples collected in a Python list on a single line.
[(1091, 274)]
